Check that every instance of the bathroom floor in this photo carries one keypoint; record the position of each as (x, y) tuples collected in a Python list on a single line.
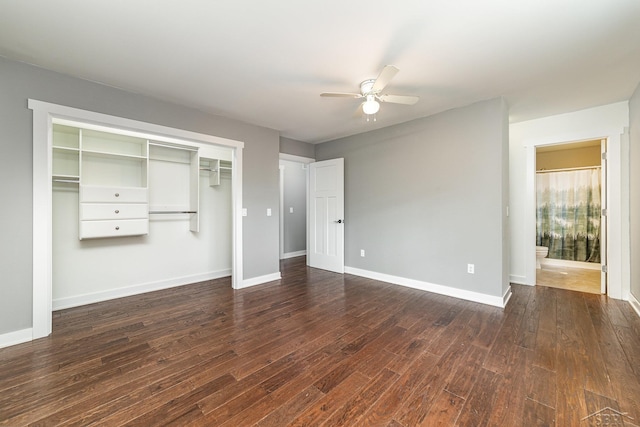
[(573, 279)]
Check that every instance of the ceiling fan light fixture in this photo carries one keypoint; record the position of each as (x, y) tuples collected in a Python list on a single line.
[(370, 106), (372, 95)]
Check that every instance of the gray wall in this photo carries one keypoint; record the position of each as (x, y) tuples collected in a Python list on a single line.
[(297, 148), (634, 190), (18, 82), (294, 196), (427, 197)]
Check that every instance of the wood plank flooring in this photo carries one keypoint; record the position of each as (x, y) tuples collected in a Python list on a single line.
[(573, 279), (318, 348)]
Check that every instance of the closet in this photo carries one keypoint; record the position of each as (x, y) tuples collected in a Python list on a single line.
[(133, 213)]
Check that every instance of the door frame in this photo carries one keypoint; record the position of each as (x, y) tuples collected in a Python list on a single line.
[(617, 191), (604, 217), (44, 114)]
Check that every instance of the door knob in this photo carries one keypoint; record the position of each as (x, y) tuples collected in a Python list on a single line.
[(339, 221)]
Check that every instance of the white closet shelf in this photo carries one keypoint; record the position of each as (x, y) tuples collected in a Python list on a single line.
[(63, 148), (216, 169), (171, 212), (116, 155)]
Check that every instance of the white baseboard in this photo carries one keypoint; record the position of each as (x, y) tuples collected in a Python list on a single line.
[(431, 287), (570, 264), (634, 303), (293, 254), (16, 337), (78, 300), (260, 280), (518, 280), (506, 297)]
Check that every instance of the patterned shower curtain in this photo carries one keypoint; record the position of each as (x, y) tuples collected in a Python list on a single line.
[(568, 214)]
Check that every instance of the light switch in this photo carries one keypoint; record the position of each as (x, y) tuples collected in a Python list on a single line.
[(291, 209), (268, 211)]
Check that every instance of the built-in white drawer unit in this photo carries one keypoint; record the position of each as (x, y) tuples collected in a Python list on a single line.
[(113, 211), (96, 194), (113, 228), (103, 211)]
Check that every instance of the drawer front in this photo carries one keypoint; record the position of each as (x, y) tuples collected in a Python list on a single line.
[(113, 194), (115, 228), (93, 211)]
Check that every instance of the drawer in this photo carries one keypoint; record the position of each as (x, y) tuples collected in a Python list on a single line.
[(115, 228), (93, 211), (113, 194)]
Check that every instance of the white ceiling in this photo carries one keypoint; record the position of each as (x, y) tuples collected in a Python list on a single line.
[(266, 62)]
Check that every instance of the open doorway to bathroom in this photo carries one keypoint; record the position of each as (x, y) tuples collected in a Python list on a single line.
[(570, 228)]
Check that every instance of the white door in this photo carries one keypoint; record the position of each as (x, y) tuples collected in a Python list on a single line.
[(326, 215)]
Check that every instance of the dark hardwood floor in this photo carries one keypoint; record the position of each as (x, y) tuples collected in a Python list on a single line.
[(318, 348)]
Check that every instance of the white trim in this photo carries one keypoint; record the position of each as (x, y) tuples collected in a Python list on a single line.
[(530, 216), (260, 280), (43, 115), (42, 223), (519, 280), (281, 169), (298, 159), (16, 337), (293, 254), (159, 132), (635, 304), (431, 287), (78, 300), (506, 297), (237, 261)]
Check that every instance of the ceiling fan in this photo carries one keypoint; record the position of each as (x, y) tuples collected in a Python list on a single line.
[(371, 91)]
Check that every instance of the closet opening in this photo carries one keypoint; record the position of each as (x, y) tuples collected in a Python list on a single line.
[(123, 207)]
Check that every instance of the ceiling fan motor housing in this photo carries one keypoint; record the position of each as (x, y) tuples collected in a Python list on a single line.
[(367, 86)]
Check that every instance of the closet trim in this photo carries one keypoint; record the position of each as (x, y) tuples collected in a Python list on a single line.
[(44, 114)]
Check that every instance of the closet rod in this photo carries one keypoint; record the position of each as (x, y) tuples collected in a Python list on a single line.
[(208, 169), (73, 181), (172, 212), (568, 169)]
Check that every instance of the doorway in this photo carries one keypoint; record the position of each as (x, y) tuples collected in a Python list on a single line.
[(294, 180), (317, 189), (571, 224)]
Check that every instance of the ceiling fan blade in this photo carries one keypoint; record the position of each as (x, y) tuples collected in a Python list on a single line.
[(399, 99), (387, 73), (341, 95)]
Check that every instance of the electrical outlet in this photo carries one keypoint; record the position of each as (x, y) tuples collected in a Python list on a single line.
[(268, 211), (291, 209), (362, 253), (471, 268)]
